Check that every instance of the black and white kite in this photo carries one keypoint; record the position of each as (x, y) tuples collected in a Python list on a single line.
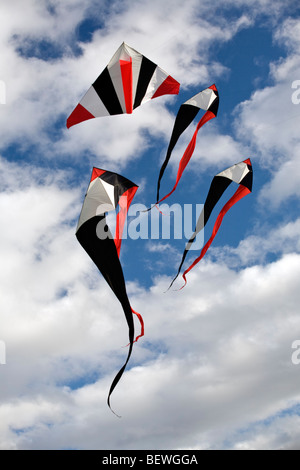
[(106, 192), (240, 173), (129, 80), (208, 100)]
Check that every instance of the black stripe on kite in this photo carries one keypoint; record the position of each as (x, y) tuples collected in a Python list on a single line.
[(146, 72), (105, 89)]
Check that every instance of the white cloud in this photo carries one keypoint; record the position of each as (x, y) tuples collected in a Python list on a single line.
[(256, 248), (218, 362), (269, 122)]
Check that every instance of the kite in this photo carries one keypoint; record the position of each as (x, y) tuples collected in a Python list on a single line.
[(207, 100), (129, 80), (240, 173), (106, 192)]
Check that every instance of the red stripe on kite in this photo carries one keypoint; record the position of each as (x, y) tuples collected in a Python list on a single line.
[(126, 72), (124, 203)]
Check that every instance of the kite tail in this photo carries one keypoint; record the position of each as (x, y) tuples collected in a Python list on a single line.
[(128, 314), (239, 194), (172, 282), (189, 152), (150, 208), (130, 344), (118, 377), (142, 325), (179, 269)]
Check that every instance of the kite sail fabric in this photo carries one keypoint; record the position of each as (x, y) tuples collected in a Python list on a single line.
[(240, 173), (208, 100), (105, 192), (129, 80)]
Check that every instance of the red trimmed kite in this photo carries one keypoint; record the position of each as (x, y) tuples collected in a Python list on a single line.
[(129, 80), (207, 100), (106, 192), (242, 174)]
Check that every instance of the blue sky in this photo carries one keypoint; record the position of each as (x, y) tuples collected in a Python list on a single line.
[(214, 370)]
